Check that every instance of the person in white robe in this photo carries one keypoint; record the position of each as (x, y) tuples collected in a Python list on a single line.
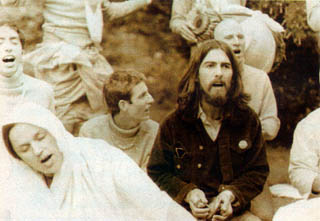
[(86, 179)]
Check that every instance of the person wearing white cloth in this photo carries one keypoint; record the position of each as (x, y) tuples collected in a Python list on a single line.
[(304, 165), (304, 171), (87, 179), (68, 57), (195, 21), (15, 86)]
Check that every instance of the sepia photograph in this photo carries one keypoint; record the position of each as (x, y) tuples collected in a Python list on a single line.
[(164, 110)]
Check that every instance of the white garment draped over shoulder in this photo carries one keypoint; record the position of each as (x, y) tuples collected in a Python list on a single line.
[(96, 181)]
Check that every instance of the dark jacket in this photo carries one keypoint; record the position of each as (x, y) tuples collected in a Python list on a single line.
[(184, 157)]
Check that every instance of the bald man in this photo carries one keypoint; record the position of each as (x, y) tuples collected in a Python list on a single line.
[(256, 82)]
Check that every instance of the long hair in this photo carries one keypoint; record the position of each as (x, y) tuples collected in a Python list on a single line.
[(189, 93)]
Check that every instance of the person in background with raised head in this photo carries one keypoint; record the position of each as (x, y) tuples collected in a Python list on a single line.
[(196, 20), (14, 84), (210, 154), (69, 56), (255, 82), (128, 125)]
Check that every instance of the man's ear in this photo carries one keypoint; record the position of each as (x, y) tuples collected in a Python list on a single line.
[(123, 105)]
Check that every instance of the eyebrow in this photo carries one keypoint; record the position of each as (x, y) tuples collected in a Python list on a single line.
[(11, 38), (33, 137)]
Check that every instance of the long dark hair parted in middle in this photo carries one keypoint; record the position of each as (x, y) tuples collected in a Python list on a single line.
[(189, 87)]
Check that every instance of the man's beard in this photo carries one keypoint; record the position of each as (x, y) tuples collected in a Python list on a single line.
[(216, 101)]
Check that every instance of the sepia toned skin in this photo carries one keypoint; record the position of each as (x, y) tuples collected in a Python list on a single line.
[(231, 33), (137, 109), (10, 51), (37, 148), (215, 74)]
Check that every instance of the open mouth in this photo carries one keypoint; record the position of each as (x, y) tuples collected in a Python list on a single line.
[(46, 159), (217, 85), (8, 59), (237, 51)]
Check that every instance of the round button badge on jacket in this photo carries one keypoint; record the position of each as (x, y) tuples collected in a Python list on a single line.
[(243, 144)]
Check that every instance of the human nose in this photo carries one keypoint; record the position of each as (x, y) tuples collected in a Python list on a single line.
[(236, 41), (150, 99), (218, 72), (8, 47), (37, 148)]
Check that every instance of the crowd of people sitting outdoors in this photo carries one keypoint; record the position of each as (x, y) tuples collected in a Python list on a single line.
[(77, 141)]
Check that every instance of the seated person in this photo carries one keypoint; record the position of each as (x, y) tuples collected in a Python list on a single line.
[(304, 165), (256, 82), (128, 125), (69, 55), (15, 86), (304, 172), (87, 179), (209, 154)]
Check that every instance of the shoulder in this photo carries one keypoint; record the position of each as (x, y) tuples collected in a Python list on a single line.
[(173, 119), (37, 85), (97, 149), (245, 117), (94, 124), (254, 74), (311, 123)]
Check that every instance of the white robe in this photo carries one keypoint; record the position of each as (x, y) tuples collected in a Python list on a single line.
[(96, 181)]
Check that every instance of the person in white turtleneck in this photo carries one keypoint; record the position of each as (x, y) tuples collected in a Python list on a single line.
[(128, 126), (15, 86)]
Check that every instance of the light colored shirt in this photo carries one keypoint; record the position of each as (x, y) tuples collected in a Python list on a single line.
[(257, 84), (136, 142), (313, 14), (304, 163)]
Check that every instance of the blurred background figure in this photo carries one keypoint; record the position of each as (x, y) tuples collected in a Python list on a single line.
[(313, 19), (195, 21)]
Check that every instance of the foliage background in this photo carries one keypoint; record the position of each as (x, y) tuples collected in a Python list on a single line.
[(143, 41), (295, 82)]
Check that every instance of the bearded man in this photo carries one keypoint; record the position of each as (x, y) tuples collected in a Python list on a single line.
[(209, 154)]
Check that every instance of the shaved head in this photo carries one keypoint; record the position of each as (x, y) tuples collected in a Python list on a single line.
[(230, 32)]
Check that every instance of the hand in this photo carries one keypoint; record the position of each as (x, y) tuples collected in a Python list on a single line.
[(186, 33), (220, 207), (197, 202)]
